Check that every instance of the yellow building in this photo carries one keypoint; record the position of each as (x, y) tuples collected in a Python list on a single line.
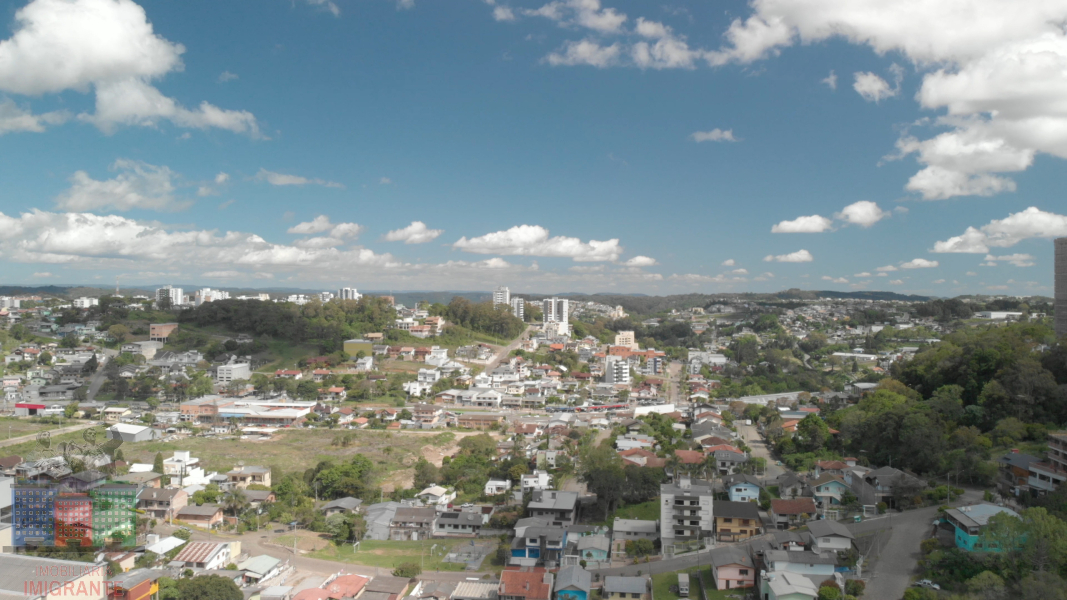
[(735, 521)]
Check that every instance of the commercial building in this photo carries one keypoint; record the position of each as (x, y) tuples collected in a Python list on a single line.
[(39, 577), (231, 372), (84, 302), (159, 332), (626, 339), (1060, 306)]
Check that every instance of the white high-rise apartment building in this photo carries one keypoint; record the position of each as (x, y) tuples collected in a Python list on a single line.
[(501, 295), (176, 295), (348, 294), (325, 296), (518, 308), (617, 370), (685, 510), (84, 302), (209, 295), (555, 310)]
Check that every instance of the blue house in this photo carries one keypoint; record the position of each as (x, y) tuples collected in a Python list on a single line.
[(537, 545), (968, 522), (594, 547), (742, 487), (829, 489), (573, 583)]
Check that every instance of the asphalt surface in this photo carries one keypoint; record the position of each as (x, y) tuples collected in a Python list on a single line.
[(98, 378), (503, 352)]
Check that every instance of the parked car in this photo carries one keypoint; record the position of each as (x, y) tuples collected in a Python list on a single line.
[(926, 583)]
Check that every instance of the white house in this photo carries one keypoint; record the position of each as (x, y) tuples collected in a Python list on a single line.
[(494, 487), (538, 480), (436, 494)]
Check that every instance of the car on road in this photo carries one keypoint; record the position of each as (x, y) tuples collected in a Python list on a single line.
[(926, 583), (778, 463)]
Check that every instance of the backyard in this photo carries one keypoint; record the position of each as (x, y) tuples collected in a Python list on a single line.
[(662, 582)]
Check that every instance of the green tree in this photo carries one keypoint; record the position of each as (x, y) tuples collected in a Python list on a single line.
[(118, 331), (157, 464), (209, 587), (426, 474), (70, 409), (639, 548)]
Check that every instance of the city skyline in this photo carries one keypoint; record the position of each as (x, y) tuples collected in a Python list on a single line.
[(571, 146)]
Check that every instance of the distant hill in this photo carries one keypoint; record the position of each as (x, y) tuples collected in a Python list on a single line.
[(632, 303), (795, 294)]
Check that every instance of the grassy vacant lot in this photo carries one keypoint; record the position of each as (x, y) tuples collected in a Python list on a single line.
[(16, 426), (285, 355), (648, 511), (28, 449), (299, 449), (388, 554)]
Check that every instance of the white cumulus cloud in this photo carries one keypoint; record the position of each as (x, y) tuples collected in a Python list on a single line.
[(919, 263), (1018, 260), (534, 240), (107, 47), (1004, 233), (137, 185), (416, 233), (715, 135), (585, 52), (321, 224), (793, 257), (274, 178), (808, 224), (729, 262), (887, 269), (641, 261), (863, 213)]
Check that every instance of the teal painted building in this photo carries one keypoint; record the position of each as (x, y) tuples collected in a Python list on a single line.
[(968, 521)]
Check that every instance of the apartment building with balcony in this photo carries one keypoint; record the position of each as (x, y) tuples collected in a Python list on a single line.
[(686, 512)]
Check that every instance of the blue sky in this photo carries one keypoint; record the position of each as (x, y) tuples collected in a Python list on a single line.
[(569, 145)]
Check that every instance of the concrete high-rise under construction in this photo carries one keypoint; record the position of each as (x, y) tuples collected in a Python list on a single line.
[(1060, 305)]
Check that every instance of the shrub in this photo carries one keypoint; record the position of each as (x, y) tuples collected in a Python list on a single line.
[(855, 587), (407, 569), (882, 507)]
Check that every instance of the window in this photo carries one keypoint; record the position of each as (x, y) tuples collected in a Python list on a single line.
[(743, 571), (727, 520)]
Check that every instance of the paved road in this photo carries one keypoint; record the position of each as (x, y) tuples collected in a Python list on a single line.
[(752, 437), (99, 377), (898, 560), (503, 352), (29, 438)]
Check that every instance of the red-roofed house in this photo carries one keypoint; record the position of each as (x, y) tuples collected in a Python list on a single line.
[(642, 458), (690, 457), (529, 583), (788, 512), (346, 586)]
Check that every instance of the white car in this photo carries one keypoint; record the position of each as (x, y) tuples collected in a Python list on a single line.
[(926, 583)]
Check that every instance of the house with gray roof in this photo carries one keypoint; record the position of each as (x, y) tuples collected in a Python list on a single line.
[(573, 583), (347, 504), (561, 507), (829, 535), (621, 588)]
